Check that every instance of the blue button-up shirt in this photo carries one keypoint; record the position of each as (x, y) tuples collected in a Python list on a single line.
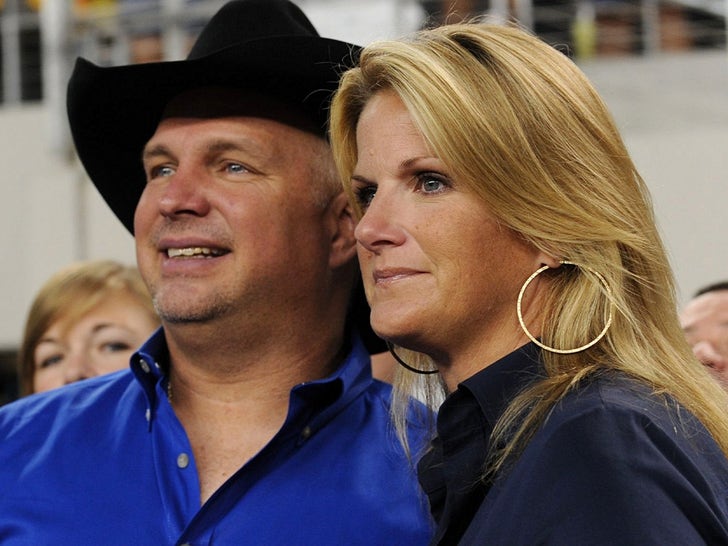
[(105, 461)]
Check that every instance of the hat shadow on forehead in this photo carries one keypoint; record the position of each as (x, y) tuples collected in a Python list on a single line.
[(218, 102)]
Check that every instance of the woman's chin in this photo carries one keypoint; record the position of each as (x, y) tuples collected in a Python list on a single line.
[(399, 336), (390, 330)]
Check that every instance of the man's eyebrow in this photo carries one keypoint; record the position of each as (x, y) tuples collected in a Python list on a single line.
[(155, 151), (249, 146), (223, 145), (219, 145)]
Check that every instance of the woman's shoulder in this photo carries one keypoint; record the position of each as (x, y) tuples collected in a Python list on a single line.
[(611, 390), (610, 456), (613, 397), (613, 412)]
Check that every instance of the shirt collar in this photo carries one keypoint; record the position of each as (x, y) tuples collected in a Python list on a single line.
[(150, 365), (328, 395), (450, 473), (495, 386), (150, 362), (468, 415)]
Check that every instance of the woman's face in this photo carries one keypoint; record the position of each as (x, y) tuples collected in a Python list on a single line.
[(101, 341), (441, 274)]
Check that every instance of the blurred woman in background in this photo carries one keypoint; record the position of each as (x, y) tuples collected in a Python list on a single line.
[(86, 320)]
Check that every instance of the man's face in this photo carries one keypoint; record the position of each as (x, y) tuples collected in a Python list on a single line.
[(233, 219), (705, 322)]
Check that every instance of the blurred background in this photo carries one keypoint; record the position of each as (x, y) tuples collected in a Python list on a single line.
[(662, 67)]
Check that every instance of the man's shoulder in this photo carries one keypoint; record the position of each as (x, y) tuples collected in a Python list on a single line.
[(70, 426), (75, 405), (384, 392)]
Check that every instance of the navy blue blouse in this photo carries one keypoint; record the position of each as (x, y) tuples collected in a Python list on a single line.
[(613, 464)]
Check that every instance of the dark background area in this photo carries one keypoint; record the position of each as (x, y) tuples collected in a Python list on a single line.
[(8, 382)]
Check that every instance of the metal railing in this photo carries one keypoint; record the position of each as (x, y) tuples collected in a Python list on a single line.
[(112, 31)]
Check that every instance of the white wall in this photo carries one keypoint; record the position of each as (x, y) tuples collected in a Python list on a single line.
[(43, 222), (673, 112)]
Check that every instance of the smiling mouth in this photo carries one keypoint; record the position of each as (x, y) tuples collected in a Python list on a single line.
[(194, 252)]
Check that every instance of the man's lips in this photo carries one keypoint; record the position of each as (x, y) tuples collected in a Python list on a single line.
[(194, 252), (176, 248)]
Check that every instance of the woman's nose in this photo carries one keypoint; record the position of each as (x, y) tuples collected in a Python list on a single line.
[(379, 227), (76, 367)]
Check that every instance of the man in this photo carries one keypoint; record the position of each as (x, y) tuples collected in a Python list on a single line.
[(705, 322), (251, 416)]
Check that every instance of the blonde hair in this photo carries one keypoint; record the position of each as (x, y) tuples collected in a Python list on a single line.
[(516, 121), (67, 296)]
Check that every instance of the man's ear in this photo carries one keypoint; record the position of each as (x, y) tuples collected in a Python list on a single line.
[(343, 243)]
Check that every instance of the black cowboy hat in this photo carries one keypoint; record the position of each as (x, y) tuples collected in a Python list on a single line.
[(266, 46)]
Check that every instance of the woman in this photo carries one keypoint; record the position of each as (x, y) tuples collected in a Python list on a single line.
[(86, 320), (508, 243)]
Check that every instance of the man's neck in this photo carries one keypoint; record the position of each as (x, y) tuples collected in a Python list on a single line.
[(227, 355), (231, 394)]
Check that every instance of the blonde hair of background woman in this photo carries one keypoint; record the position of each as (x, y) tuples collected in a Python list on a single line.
[(515, 120), (68, 295)]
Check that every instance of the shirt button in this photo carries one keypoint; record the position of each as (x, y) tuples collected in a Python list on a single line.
[(306, 433), (183, 460), (144, 366)]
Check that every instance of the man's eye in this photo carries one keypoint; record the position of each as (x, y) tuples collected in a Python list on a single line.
[(161, 171), (236, 168)]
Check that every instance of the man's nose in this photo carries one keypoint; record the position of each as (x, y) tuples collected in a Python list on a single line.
[(184, 193)]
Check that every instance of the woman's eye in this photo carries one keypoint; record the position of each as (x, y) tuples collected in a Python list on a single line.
[(50, 361), (429, 183), (364, 195), (115, 347)]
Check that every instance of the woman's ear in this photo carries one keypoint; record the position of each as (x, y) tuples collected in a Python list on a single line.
[(547, 259), (343, 242)]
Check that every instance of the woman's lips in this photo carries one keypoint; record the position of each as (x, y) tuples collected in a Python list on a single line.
[(394, 274)]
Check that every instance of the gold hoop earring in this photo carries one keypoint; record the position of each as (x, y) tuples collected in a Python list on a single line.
[(552, 349)]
